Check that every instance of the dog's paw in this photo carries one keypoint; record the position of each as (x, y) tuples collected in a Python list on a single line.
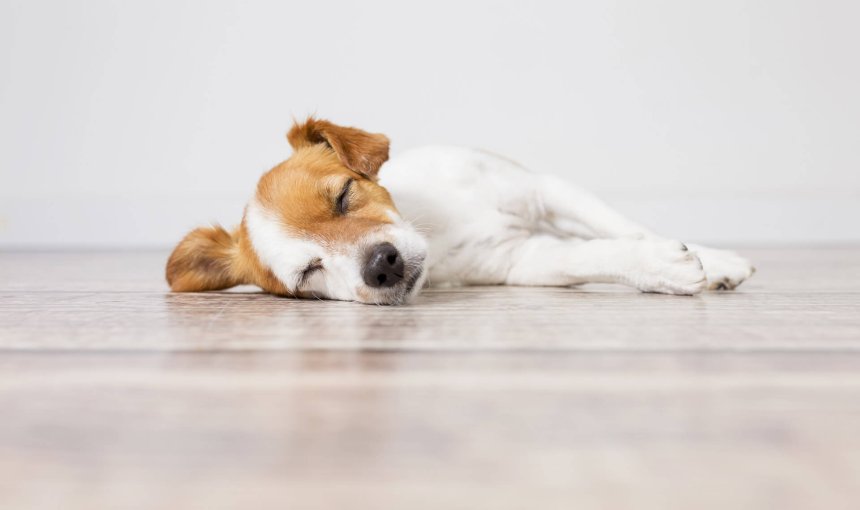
[(724, 269), (668, 267)]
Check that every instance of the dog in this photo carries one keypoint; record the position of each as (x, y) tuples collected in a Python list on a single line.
[(322, 225)]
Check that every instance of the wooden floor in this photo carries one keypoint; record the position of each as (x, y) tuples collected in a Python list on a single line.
[(115, 394)]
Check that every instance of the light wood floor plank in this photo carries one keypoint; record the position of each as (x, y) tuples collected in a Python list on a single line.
[(116, 394), (118, 301)]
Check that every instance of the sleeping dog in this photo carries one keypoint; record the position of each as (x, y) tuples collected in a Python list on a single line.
[(321, 225)]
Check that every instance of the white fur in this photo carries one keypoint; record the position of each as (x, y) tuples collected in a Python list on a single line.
[(490, 221)]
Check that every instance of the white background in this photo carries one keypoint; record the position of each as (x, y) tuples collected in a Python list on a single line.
[(127, 123)]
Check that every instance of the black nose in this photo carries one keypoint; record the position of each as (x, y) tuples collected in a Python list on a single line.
[(384, 266)]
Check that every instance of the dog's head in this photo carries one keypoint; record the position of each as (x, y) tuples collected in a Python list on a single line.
[(319, 226)]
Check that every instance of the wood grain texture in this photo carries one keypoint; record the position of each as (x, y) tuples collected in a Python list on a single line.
[(116, 394), (799, 300)]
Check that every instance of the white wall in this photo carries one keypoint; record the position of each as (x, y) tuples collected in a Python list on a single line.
[(127, 123)]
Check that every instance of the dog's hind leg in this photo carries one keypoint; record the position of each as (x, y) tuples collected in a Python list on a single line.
[(650, 265), (571, 211)]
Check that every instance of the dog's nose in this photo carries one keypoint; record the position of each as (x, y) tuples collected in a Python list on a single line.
[(384, 266)]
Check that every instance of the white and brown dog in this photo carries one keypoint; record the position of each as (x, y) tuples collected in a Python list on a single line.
[(322, 226)]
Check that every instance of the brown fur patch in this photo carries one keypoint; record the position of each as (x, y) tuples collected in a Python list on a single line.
[(303, 191), (358, 150), (202, 261)]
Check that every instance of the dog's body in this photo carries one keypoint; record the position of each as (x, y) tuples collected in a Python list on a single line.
[(483, 220), (490, 221)]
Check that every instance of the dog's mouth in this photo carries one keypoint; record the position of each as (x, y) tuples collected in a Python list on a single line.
[(412, 281)]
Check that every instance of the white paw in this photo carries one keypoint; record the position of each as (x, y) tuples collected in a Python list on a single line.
[(724, 269), (667, 267)]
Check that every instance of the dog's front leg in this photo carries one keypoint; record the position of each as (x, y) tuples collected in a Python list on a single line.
[(649, 265)]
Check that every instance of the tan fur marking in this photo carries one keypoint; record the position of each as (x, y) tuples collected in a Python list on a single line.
[(203, 260), (358, 150), (303, 191)]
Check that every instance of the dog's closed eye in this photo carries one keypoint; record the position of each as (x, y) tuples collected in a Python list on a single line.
[(312, 267), (341, 205)]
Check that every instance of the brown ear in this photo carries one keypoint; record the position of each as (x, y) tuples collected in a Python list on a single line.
[(203, 260), (358, 150)]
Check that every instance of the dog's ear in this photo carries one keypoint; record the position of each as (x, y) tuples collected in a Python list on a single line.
[(358, 150), (204, 260)]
